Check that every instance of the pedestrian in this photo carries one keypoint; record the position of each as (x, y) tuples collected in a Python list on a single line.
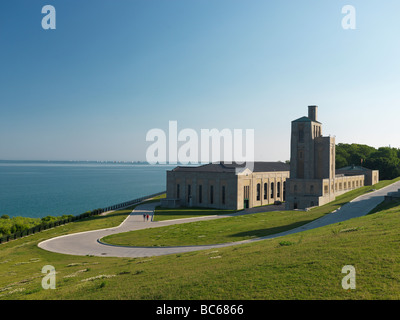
[(147, 217), (144, 217)]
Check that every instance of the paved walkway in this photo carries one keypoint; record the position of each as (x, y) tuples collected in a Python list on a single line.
[(87, 243)]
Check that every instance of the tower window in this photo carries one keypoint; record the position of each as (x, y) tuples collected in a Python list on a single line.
[(200, 193), (301, 134)]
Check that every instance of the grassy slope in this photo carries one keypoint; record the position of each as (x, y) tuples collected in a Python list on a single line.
[(308, 268), (229, 229), (162, 214)]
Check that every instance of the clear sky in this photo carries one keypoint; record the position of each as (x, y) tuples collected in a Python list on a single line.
[(113, 70)]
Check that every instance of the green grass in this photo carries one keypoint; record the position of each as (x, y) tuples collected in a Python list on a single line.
[(300, 266), (228, 229), (162, 214), (214, 231)]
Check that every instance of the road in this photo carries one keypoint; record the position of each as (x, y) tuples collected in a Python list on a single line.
[(87, 243)]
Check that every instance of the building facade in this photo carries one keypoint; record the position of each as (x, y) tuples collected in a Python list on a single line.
[(219, 185), (314, 180), (310, 180)]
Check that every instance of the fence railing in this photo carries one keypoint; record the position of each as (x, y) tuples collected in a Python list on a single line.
[(95, 212)]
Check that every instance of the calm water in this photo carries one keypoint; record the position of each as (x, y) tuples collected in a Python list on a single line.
[(37, 189)]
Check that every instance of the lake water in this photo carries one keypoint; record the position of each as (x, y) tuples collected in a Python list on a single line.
[(40, 188)]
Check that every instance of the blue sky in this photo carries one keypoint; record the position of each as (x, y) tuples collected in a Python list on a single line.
[(113, 70)]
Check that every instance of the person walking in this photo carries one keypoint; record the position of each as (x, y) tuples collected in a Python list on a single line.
[(147, 217), (144, 217)]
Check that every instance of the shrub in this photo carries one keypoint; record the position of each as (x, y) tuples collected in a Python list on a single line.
[(285, 243)]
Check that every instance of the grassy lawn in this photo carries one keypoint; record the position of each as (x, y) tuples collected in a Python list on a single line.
[(229, 229), (300, 266), (214, 231), (161, 214)]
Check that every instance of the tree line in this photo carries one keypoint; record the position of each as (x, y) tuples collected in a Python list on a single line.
[(384, 159), (19, 224)]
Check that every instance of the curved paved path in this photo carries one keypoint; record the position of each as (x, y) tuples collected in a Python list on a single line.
[(87, 243)]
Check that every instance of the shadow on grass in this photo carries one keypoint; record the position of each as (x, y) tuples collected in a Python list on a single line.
[(269, 231), (385, 205)]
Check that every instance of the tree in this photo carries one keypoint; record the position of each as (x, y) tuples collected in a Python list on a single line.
[(384, 159)]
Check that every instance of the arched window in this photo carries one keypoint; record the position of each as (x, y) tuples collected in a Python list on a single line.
[(258, 192), (272, 190), (284, 190), (265, 191), (200, 193), (189, 192), (278, 190)]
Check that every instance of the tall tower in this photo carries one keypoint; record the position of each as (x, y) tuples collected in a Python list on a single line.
[(312, 164)]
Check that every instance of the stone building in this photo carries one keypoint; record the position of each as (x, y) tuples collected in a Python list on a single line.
[(219, 185), (371, 176), (310, 180), (314, 180)]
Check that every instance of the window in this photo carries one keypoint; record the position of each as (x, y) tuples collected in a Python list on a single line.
[(301, 134), (258, 192), (278, 189), (211, 194), (223, 194), (177, 190), (189, 191), (265, 191), (312, 189), (284, 190), (272, 189), (295, 188), (246, 194), (200, 193), (325, 189)]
